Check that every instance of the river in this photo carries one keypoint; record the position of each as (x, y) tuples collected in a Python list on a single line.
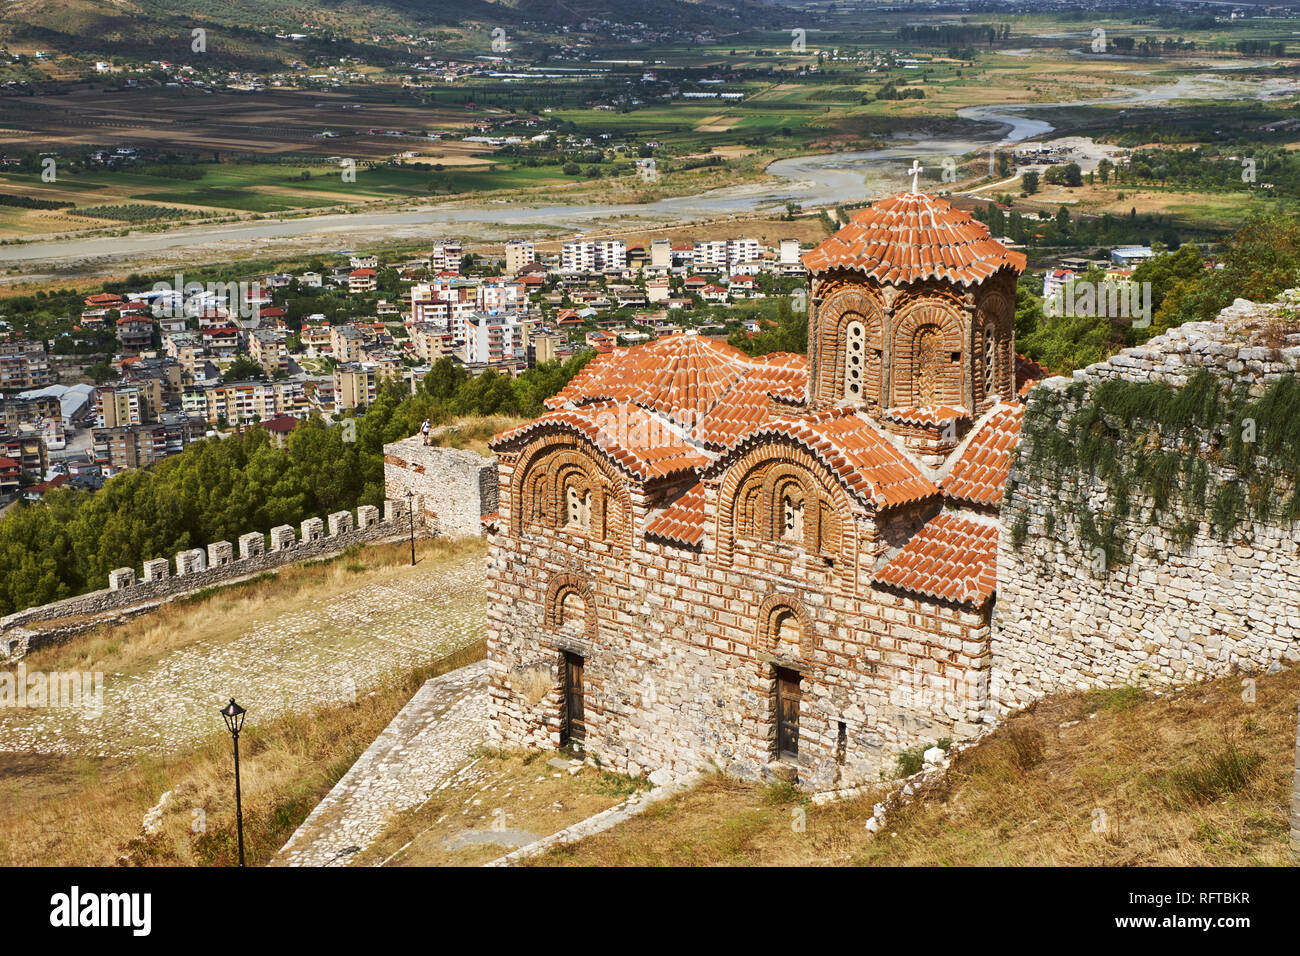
[(810, 181)]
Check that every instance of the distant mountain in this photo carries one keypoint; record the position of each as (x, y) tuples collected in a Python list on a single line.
[(143, 26)]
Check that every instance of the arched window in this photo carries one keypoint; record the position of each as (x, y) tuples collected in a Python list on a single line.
[(855, 358), (571, 613), (990, 360), (787, 633), (929, 366), (578, 508), (792, 516)]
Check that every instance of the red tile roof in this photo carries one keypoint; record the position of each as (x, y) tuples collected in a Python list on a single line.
[(704, 385), (638, 440), (682, 521), (867, 462), (927, 415), (952, 558), (979, 475), (912, 237), (1028, 372)]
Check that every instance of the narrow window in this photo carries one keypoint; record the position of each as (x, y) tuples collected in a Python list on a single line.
[(792, 518), (990, 360), (578, 507), (787, 714), (854, 359)]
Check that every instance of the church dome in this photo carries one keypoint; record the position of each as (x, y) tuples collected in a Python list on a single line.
[(912, 237)]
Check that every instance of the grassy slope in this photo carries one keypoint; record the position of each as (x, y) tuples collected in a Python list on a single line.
[(57, 810), (1192, 778)]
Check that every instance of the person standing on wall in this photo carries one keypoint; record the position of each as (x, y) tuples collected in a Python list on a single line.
[(424, 430)]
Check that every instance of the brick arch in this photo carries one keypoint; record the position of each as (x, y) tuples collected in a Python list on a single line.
[(996, 315), (750, 481), (544, 471), (558, 590), (932, 326), (766, 626), (835, 314)]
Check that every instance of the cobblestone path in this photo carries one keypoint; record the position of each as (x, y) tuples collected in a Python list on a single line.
[(418, 753), (318, 654)]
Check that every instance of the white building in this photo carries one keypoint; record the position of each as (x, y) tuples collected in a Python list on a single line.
[(599, 255), (493, 338), (446, 256), (661, 254)]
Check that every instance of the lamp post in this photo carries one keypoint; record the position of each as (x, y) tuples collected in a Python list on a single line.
[(410, 514), (234, 715)]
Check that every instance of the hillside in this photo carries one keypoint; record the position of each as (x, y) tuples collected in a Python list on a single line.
[(160, 29), (1192, 777), (323, 654)]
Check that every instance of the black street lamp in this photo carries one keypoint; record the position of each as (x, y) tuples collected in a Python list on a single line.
[(410, 514), (234, 715)]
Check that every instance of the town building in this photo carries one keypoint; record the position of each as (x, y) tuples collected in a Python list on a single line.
[(519, 253), (25, 365)]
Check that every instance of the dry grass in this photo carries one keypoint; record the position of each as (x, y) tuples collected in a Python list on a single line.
[(1195, 777), (473, 432), (208, 615), (503, 800), (81, 812)]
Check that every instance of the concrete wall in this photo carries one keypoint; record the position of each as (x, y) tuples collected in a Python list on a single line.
[(199, 568), (1186, 605), (458, 487)]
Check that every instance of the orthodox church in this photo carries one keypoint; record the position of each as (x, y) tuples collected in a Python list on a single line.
[(784, 566)]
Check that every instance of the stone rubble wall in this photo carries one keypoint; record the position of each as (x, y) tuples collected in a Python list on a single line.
[(1175, 612), (198, 568), (457, 486)]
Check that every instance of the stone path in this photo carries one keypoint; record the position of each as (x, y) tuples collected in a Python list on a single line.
[(317, 654), (428, 746)]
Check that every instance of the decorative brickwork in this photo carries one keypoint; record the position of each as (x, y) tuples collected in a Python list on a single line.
[(689, 528)]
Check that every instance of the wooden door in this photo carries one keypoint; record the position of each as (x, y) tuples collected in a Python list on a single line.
[(787, 713), (575, 728)]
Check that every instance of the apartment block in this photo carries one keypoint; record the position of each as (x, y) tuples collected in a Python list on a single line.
[(138, 446), (446, 256), (267, 348), (519, 253), (600, 255), (25, 365), (241, 402)]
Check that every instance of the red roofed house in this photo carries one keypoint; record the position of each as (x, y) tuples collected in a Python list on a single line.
[(783, 565), (11, 471), (362, 280)]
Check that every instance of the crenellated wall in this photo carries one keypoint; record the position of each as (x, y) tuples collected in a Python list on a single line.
[(193, 569)]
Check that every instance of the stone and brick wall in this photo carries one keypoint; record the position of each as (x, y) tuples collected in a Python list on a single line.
[(1169, 597), (681, 646), (198, 568), (457, 486)]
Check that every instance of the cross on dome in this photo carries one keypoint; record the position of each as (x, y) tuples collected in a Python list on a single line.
[(916, 172)]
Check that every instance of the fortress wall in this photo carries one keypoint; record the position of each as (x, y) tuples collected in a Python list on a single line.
[(457, 486), (194, 569), (1138, 579)]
